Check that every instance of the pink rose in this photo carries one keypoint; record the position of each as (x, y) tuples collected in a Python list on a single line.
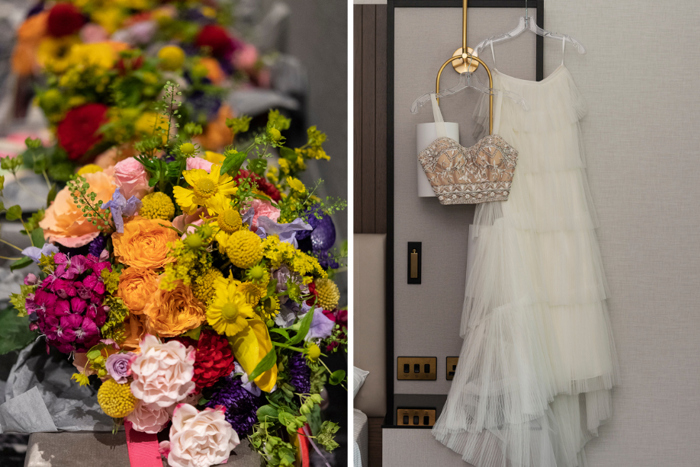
[(263, 208), (199, 439), (188, 222), (246, 58), (163, 372), (92, 33), (148, 418), (199, 163), (132, 178)]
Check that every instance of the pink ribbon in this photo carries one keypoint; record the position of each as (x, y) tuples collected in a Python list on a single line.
[(143, 448)]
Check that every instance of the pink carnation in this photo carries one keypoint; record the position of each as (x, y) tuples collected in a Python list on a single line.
[(199, 163), (148, 418), (263, 208), (132, 178), (93, 33)]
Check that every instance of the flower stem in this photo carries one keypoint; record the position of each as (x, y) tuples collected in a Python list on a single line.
[(278, 344), (11, 259), (10, 244)]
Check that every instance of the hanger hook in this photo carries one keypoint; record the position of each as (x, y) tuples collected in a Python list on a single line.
[(527, 16)]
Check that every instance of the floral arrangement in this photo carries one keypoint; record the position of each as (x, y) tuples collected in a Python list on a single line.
[(194, 290), (103, 65)]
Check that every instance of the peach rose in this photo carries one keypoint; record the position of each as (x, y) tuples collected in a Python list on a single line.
[(263, 208), (148, 418), (163, 372), (214, 71), (172, 312), (137, 288), (199, 439), (64, 222), (132, 178), (144, 243)]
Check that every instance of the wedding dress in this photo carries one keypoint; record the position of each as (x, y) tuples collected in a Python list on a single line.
[(538, 363)]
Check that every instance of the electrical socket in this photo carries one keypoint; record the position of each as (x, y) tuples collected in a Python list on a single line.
[(415, 417), (451, 367), (417, 368)]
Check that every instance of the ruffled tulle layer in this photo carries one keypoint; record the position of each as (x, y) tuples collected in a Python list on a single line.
[(534, 378)]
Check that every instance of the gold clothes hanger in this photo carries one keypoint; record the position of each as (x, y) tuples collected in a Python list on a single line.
[(467, 59)]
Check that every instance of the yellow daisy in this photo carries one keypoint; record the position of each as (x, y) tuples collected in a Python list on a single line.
[(228, 313), (207, 189)]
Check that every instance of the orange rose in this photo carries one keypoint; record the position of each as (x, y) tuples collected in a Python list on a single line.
[(137, 287), (216, 134), (29, 35), (171, 313), (133, 332), (64, 222), (215, 73), (144, 243)]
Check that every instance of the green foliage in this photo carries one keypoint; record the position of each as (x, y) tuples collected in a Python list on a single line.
[(14, 331)]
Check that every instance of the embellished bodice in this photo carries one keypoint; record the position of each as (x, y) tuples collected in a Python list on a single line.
[(477, 174)]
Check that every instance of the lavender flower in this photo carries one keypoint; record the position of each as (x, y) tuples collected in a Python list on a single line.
[(321, 326), (241, 406), (300, 373), (118, 366), (120, 207), (286, 232), (35, 253)]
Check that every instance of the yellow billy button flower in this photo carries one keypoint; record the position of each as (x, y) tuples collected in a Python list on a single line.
[(244, 249), (116, 400), (171, 57), (296, 184), (229, 310), (157, 205), (210, 190)]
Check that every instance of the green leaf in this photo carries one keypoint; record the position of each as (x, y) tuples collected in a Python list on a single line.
[(288, 153), (265, 364), (281, 332), (337, 377), (303, 328), (233, 162), (267, 411), (194, 333), (21, 263), (93, 354), (52, 195), (258, 166), (14, 213), (287, 456), (38, 237), (286, 418), (14, 331)]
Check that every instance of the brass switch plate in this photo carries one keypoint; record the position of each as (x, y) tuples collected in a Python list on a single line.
[(417, 368), (451, 367), (415, 417)]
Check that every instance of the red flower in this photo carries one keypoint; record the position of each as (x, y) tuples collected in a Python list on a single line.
[(213, 359), (263, 185), (127, 64), (218, 40), (78, 132), (64, 19)]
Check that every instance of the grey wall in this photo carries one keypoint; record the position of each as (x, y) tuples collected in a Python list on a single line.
[(643, 150), (427, 316), (642, 138)]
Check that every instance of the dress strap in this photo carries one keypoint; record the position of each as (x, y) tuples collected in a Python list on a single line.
[(493, 55), (563, 49), (439, 121)]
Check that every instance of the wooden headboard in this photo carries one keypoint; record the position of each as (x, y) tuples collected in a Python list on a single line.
[(369, 321)]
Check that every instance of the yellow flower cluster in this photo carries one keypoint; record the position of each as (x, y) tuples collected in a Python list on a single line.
[(116, 400), (281, 252), (203, 286), (191, 260)]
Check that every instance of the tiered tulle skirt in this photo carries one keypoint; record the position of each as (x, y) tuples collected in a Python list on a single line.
[(538, 363)]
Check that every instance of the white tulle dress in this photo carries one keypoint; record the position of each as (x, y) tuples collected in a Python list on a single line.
[(538, 361)]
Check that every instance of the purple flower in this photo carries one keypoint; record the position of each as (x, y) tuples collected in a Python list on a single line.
[(118, 366), (286, 232), (35, 253), (96, 246), (321, 326), (299, 373), (241, 406), (120, 207)]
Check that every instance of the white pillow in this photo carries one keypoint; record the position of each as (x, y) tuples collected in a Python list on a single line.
[(359, 377)]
